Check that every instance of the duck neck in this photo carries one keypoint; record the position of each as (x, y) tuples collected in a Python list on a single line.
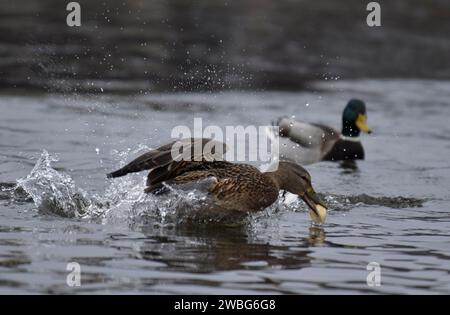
[(279, 178), (349, 129)]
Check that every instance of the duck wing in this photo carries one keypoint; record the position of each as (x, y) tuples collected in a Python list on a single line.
[(305, 143), (305, 134), (189, 149), (329, 137)]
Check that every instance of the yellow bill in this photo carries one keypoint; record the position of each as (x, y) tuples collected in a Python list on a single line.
[(319, 216), (361, 123), (317, 208)]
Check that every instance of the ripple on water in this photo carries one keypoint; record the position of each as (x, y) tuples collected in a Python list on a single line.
[(152, 259)]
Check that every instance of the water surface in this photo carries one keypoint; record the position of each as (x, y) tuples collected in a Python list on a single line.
[(393, 210)]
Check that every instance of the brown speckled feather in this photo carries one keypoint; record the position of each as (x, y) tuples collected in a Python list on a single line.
[(236, 186)]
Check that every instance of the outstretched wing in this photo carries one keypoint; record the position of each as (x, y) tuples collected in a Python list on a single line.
[(189, 149)]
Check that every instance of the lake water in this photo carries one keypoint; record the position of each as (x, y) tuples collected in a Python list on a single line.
[(58, 207)]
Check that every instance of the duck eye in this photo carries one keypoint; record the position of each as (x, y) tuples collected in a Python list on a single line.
[(304, 178)]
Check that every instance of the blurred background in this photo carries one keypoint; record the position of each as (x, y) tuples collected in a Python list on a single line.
[(175, 45)]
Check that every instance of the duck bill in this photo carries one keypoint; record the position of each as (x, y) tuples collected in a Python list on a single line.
[(318, 209), (361, 123)]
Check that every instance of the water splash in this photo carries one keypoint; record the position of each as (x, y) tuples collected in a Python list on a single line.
[(54, 192), (124, 199)]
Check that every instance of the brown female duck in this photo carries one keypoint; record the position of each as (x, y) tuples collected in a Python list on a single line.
[(233, 186)]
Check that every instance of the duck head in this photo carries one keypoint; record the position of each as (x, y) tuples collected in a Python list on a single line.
[(354, 119), (295, 179)]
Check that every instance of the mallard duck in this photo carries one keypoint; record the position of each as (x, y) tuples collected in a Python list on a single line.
[(306, 143), (238, 187)]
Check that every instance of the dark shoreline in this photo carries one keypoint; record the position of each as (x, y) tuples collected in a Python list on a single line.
[(169, 46)]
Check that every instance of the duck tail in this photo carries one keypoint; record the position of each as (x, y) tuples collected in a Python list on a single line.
[(284, 123), (281, 120)]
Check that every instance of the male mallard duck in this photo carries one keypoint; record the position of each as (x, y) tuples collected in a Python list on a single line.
[(240, 187), (306, 143)]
